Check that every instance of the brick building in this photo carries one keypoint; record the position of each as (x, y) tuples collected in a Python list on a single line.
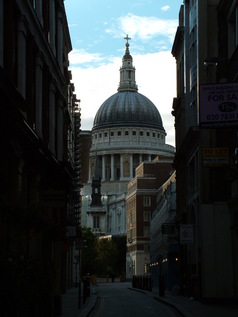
[(140, 203)]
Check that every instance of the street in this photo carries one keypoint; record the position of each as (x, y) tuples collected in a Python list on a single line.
[(118, 300)]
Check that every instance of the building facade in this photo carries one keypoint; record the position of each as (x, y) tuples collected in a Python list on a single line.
[(140, 202), (164, 246), (205, 48), (40, 173)]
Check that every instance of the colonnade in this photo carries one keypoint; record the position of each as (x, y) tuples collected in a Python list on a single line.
[(117, 166)]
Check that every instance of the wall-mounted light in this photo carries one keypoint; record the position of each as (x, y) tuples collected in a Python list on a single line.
[(214, 61)]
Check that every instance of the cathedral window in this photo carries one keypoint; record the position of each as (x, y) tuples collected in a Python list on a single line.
[(119, 133), (148, 133), (134, 133), (105, 134), (126, 132), (153, 135), (112, 133), (96, 222)]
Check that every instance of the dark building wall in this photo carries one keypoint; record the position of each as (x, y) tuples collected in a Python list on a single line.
[(36, 159)]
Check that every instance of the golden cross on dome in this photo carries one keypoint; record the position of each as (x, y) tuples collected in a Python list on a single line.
[(127, 38)]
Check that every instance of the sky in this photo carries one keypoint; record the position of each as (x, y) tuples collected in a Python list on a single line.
[(98, 28)]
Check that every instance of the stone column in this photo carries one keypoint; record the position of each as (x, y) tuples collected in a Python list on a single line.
[(131, 166), (52, 118), (103, 167), (52, 24), (89, 169), (22, 33), (1, 33), (121, 167), (60, 130), (38, 98), (60, 40), (112, 167), (39, 10)]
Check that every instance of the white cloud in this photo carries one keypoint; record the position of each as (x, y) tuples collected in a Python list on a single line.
[(165, 8), (82, 57), (155, 77), (143, 27)]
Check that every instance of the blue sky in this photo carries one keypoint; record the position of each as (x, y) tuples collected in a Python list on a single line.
[(97, 29)]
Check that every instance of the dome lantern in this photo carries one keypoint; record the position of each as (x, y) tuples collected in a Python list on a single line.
[(127, 71)]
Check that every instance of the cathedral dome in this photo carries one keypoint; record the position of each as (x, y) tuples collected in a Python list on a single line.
[(128, 109)]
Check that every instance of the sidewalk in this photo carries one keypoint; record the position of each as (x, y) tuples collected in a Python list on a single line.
[(70, 301), (192, 308)]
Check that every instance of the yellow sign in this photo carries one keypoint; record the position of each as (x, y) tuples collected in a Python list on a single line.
[(215, 156)]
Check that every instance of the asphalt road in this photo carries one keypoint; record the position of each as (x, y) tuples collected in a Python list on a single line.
[(117, 300)]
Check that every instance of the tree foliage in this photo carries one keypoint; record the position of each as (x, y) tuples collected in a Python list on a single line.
[(103, 257), (89, 251)]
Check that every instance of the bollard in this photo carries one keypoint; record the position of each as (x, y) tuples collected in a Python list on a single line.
[(88, 285), (161, 286), (84, 289)]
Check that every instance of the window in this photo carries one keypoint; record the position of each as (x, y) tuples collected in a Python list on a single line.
[(147, 268), (147, 201), (146, 231), (105, 134), (119, 133), (148, 133), (112, 133), (100, 135), (147, 215), (233, 31), (126, 133), (96, 136), (141, 133), (134, 133), (147, 248), (96, 222), (153, 135)]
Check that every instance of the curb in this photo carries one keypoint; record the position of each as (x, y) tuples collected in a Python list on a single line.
[(171, 305), (160, 300)]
